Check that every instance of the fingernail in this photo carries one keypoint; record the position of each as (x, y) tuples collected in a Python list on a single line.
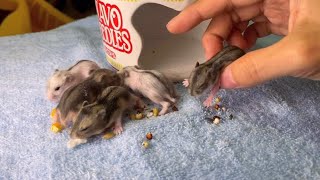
[(170, 24), (227, 80)]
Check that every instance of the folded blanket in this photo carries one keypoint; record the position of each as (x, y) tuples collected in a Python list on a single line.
[(274, 133)]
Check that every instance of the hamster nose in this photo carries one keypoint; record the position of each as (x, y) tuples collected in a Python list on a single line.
[(55, 98), (51, 97)]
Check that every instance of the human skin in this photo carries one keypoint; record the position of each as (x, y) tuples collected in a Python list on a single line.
[(296, 54)]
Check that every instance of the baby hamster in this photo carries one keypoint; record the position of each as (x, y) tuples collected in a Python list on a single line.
[(88, 90), (207, 75), (105, 112), (61, 80), (151, 84)]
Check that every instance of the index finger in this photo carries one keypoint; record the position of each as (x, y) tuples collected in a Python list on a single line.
[(202, 10), (194, 14)]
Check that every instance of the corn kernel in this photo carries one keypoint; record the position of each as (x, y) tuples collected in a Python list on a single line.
[(56, 127), (132, 116), (108, 135), (217, 99), (53, 112), (155, 111), (139, 116)]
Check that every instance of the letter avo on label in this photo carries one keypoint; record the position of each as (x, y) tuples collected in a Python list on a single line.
[(111, 26)]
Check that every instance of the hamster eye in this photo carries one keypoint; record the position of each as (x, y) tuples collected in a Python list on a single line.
[(137, 67), (57, 88), (201, 85), (84, 129)]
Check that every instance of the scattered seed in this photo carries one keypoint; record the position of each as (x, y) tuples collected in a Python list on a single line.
[(216, 120), (145, 144), (132, 116), (149, 136), (224, 109), (217, 107), (139, 116), (150, 114)]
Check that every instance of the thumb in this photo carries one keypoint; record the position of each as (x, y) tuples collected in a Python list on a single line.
[(261, 65)]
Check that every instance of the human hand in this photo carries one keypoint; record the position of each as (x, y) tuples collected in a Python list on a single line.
[(294, 55)]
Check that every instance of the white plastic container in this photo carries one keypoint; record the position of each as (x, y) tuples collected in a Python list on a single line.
[(134, 33)]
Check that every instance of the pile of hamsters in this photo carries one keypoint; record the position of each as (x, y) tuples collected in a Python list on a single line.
[(92, 99)]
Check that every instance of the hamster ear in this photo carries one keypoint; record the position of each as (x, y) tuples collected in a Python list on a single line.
[(101, 112), (126, 74), (197, 64), (68, 77), (92, 71), (111, 80), (85, 103), (84, 125), (137, 67), (56, 70), (104, 93), (100, 78)]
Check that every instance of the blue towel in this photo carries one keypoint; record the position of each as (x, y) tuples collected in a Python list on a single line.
[(274, 133)]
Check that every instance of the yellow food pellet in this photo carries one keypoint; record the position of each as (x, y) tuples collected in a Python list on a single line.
[(155, 111), (132, 116), (217, 99), (108, 135), (145, 144), (139, 116), (53, 112), (56, 127)]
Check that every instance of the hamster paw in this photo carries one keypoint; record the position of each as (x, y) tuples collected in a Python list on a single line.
[(208, 102), (165, 107), (185, 83), (117, 130), (75, 142)]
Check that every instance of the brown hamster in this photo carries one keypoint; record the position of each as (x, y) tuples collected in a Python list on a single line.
[(104, 113), (88, 90), (207, 75)]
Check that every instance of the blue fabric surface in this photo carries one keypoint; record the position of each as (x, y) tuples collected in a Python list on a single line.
[(274, 134)]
